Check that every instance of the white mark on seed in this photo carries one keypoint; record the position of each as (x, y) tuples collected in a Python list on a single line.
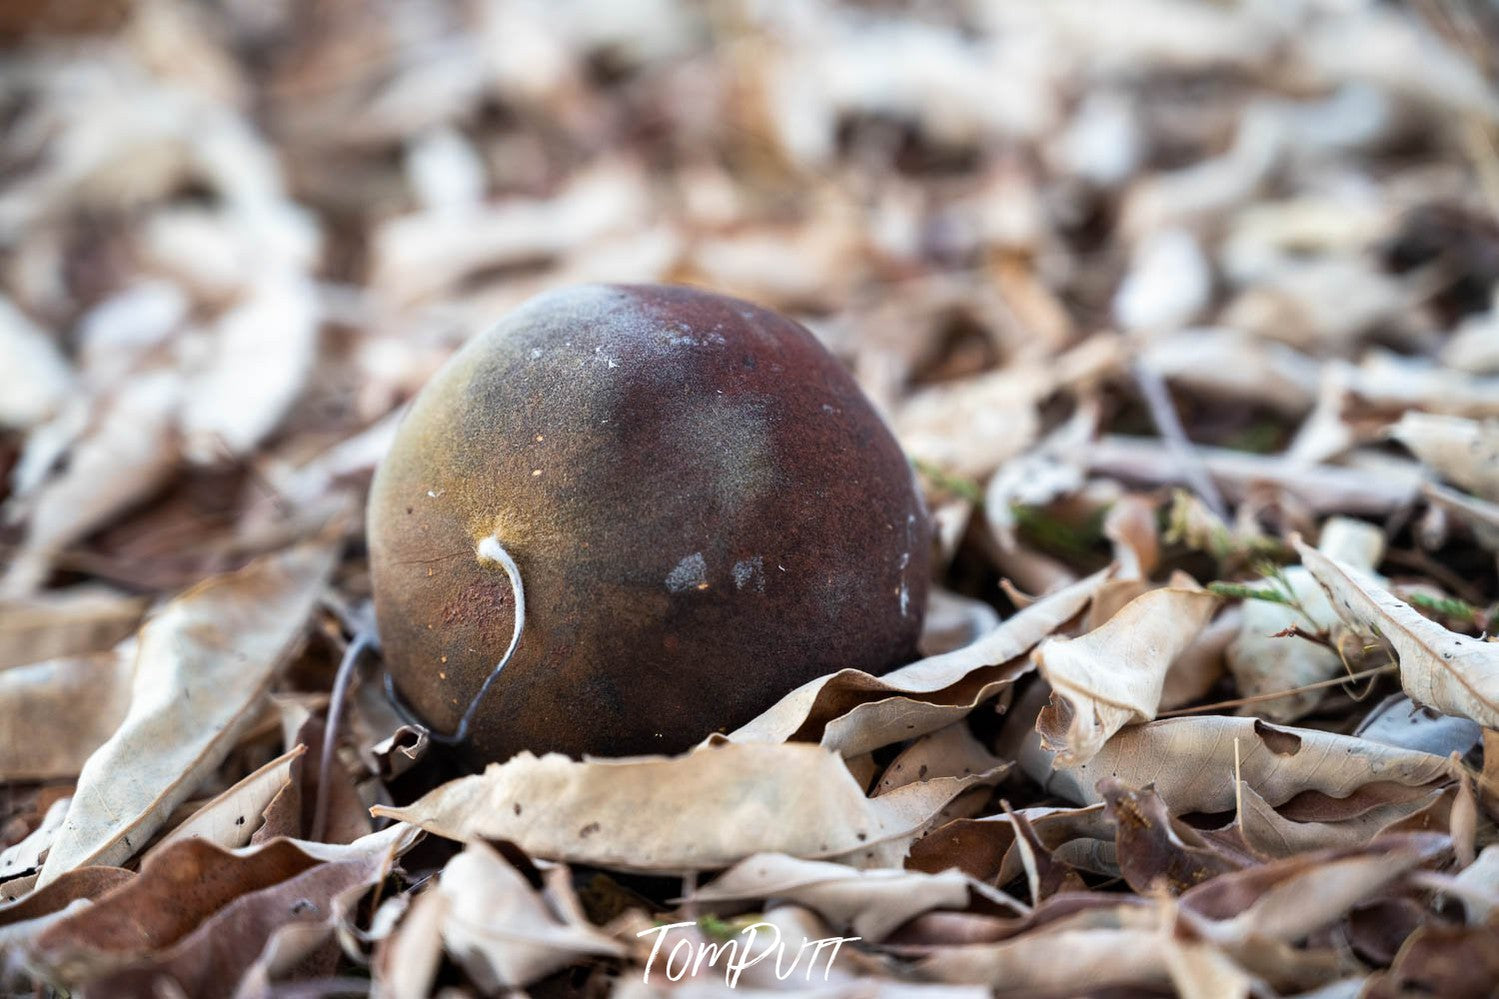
[(750, 573), (690, 574)]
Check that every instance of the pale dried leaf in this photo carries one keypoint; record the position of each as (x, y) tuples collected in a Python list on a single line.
[(1464, 452), (92, 692), (1233, 364), (263, 349), (126, 456), (953, 621), (1191, 763), (1453, 673), (26, 856), (1398, 721), (948, 752), (870, 903), (69, 621), (727, 802), (501, 931), (1322, 488), (1477, 886), (231, 818), (1112, 676), (1168, 284), (202, 669), (35, 378), (1341, 824), (931, 693), (1094, 959), (1263, 663), (1474, 346)]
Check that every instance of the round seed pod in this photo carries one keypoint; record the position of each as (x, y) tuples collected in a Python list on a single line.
[(690, 501)]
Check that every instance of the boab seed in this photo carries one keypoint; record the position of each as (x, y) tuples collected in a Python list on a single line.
[(697, 504)]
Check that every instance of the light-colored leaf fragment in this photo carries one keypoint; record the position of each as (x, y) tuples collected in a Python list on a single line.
[(264, 350), (1322, 488), (1395, 381), (953, 621), (231, 818), (1272, 834), (1465, 452), (1263, 663), (870, 712), (869, 903), (1453, 673), (1112, 676), (948, 752), (1191, 762), (1201, 971), (406, 961), (1236, 364), (1316, 894), (202, 670), (1397, 721), (501, 931), (66, 622), (726, 803), (35, 377), (91, 692), (1069, 961), (970, 428), (129, 451), (1477, 886), (1130, 526), (1474, 345), (27, 855), (1199, 667), (1168, 283), (1480, 516)]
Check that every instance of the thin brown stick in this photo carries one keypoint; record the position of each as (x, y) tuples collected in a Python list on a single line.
[(1278, 694)]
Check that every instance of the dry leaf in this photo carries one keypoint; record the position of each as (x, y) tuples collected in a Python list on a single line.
[(1321, 488), (26, 856), (870, 903), (214, 958), (1112, 676), (1453, 673), (203, 666), (501, 931), (1398, 721), (264, 347), (128, 453), (1191, 763), (196, 904), (948, 752), (36, 378), (65, 622), (727, 802), (25, 914), (1321, 823), (91, 691), (1159, 853), (855, 712), (1464, 452), (231, 818), (1168, 284), (1264, 662), (985, 848)]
